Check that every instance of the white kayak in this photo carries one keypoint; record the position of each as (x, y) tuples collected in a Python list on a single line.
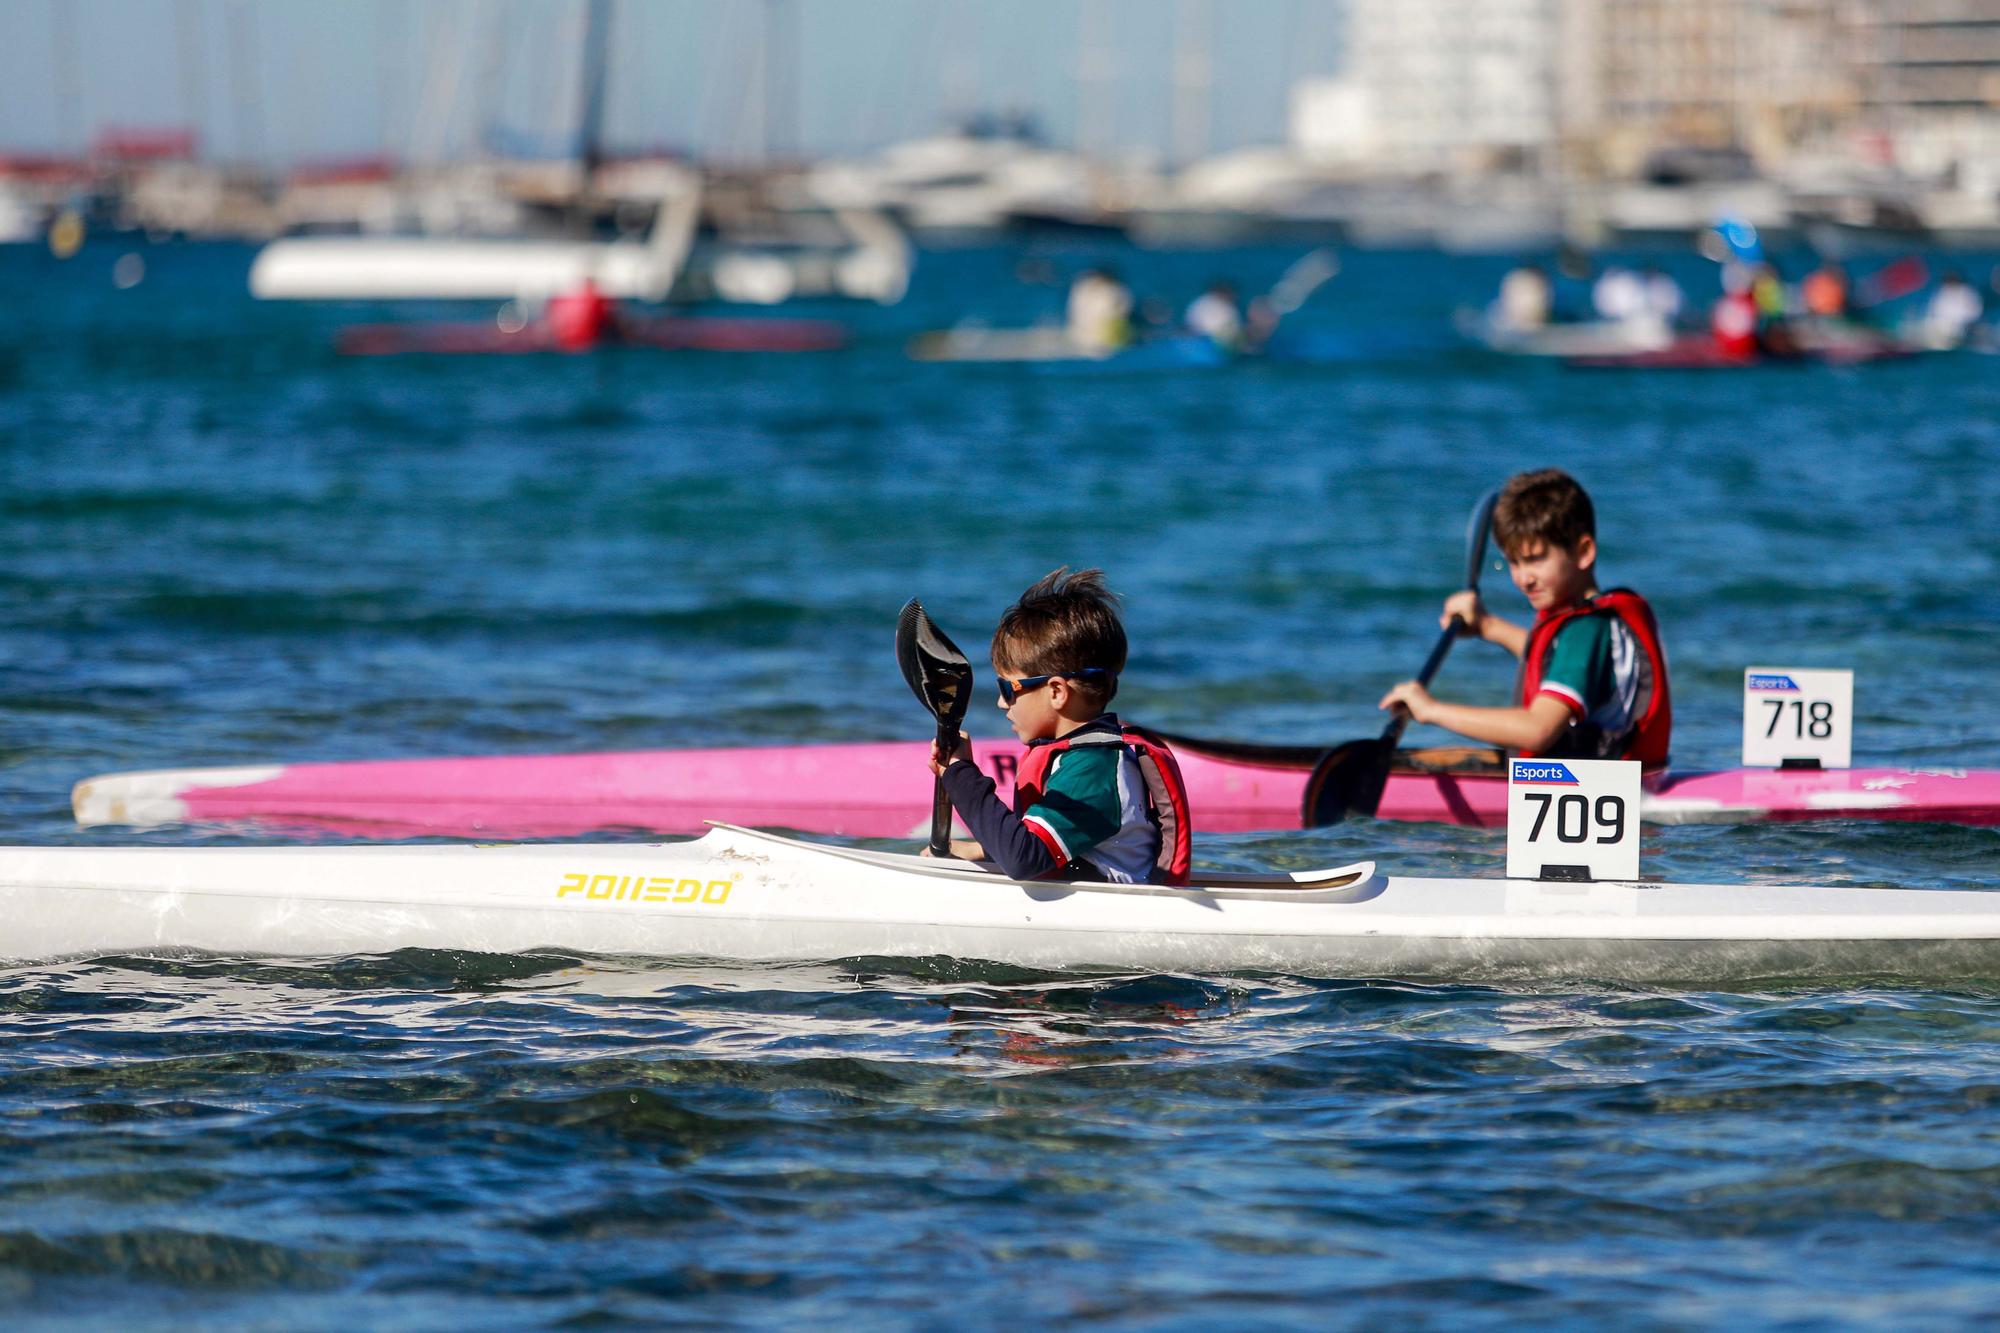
[(739, 894)]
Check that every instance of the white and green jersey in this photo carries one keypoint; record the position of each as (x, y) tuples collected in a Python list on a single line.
[(1093, 808)]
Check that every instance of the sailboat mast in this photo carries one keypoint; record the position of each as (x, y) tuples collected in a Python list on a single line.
[(590, 116), (1192, 79), (780, 75), (1094, 75), (188, 34), (67, 64)]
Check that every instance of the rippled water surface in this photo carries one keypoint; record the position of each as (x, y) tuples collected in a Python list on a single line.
[(225, 545)]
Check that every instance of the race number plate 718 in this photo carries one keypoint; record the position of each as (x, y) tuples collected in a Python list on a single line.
[(1793, 717)]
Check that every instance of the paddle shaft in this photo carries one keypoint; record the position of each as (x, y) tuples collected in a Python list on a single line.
[(947, 741), (1392, 732), (1475, 556), (1352, 777)]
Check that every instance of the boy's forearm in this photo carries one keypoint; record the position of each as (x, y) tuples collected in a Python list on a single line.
[(997, 829), (1511, 728), (1512, 637)]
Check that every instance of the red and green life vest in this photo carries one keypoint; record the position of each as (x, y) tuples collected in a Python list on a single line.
[(1652, 727), (1166, 791)]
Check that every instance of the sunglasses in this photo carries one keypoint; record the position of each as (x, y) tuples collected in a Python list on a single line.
[(1010, 690)]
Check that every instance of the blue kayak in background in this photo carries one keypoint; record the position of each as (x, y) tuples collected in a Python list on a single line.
[(1052, 349)]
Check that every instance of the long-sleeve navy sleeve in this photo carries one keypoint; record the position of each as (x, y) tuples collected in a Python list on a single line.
[(999, 830)]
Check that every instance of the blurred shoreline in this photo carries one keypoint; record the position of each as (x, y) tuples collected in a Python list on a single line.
[(970, 188)]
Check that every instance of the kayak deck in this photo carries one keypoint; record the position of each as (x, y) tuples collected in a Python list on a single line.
[(736, 894)]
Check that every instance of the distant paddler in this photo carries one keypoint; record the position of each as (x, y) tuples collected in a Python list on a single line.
[(66, 233), (581, 317), (1216, 316), (1593, 680), (1638, 298), (1619, 295), (1751, 318), (1663, 295), (1570, 285), (1826, 292), (1733, 320), (1099, 316), (1775, 333), (1954, 309), (1527, 300)]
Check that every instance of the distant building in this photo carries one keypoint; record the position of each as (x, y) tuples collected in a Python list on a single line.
[(1436, 86), (1642, 76), (1622, 89), (1928, 56), (1927, 78)]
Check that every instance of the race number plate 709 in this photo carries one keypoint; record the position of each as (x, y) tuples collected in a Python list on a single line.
[(1572, 819)]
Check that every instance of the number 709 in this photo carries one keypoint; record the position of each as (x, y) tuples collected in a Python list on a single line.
[(1574, 816)]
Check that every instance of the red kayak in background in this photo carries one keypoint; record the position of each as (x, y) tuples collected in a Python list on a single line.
[(585, 320), (1809, 343)]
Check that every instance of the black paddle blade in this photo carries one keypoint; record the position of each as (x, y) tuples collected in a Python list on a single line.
[(1348, 781), (938, 673)]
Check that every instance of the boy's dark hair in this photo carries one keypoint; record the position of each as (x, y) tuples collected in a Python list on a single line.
[(1543, 506), (1066, 622)]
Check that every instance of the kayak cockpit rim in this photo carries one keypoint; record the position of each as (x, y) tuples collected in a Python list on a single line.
[(1340, 884)]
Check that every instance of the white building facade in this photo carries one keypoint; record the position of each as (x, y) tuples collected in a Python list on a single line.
[(1437, 86)]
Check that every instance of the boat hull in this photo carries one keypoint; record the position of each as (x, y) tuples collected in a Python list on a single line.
[(339, 268), (1701, 353), (1053, 349), (883, 789), (746, 896), (695, 333), (1596, 337)]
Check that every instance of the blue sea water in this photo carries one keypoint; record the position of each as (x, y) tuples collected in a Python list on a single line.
[(224, 544)]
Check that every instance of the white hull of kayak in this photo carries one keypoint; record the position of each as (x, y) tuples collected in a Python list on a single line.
[(740, 895)]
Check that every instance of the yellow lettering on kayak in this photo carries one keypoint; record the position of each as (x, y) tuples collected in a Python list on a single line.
[(639, 888)]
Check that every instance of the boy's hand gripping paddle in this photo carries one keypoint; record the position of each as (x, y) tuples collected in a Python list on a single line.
[(940, 676), (1349, 778)]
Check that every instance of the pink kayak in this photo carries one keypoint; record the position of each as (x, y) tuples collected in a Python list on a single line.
[(884, 790)]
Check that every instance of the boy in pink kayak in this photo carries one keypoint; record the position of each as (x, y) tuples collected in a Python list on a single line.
[(1593, 679), (1094, 798)]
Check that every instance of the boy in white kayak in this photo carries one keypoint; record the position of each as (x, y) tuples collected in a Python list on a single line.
[(1593, 681), (1094, 798)]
